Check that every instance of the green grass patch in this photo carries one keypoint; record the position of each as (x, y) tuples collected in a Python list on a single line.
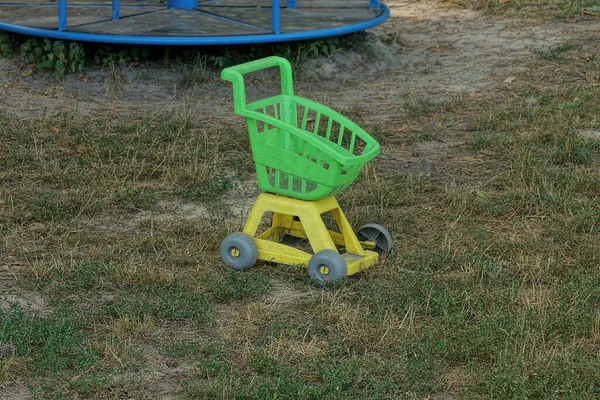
[(54, 345), (491, 290)]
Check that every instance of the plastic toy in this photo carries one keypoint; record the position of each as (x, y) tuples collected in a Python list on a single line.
[(304, 154), (189, 22)]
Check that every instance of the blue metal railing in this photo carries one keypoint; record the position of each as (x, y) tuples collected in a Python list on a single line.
[(275, 17), (62, 15), (276, 35), (115, 9)]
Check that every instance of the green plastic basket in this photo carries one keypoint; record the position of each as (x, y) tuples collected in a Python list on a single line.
[(302, 149)]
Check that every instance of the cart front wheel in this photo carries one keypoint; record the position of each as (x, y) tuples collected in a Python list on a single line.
[(238, 251), (378, 235), (327, 267)]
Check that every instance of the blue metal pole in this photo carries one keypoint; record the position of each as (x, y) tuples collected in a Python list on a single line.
[(115, 9), (275, 16), (182, 4), (292, 4), (62, 15), (374, 5)]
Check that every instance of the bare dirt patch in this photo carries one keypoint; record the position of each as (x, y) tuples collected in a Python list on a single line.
[(282, 294), (11, 294)]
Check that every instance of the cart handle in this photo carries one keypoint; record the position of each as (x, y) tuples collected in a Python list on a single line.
[(235, 76)]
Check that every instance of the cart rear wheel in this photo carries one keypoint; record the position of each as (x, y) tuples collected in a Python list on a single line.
[(377, 234), (327, 267), (238, 251)]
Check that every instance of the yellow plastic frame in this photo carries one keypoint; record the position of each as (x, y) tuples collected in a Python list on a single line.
[(358, 256)]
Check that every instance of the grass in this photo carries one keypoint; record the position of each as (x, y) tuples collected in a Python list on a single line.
[(553, 53), (491, 291), (195, 73), (530, 8)]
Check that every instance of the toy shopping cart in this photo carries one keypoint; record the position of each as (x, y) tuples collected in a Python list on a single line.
[(305, 153)]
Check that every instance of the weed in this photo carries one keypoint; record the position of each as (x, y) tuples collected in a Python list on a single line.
[(418, 108), (195, 73), (210, 189), (391, 38), (553, 53), (223, 59), (235, 286), (53, 207), (55, 344), (63, 58), (170, 301), (7, 361), (6, 45), (111, 55), (55, 56), (113, 82), (326, 47), (134, 199), (89, 384), (131, 326), (572, 149)]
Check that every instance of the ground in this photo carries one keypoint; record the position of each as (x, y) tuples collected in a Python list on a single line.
[(117, 185)]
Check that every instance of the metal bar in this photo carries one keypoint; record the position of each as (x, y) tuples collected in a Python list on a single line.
[(116, 4), (292, 4), (182, 4), (275, 17), (62, 15), (73, 5), (374, 5)]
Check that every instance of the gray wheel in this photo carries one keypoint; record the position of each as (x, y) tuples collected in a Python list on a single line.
[(377, 234), (238, 251), (327, 267)]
